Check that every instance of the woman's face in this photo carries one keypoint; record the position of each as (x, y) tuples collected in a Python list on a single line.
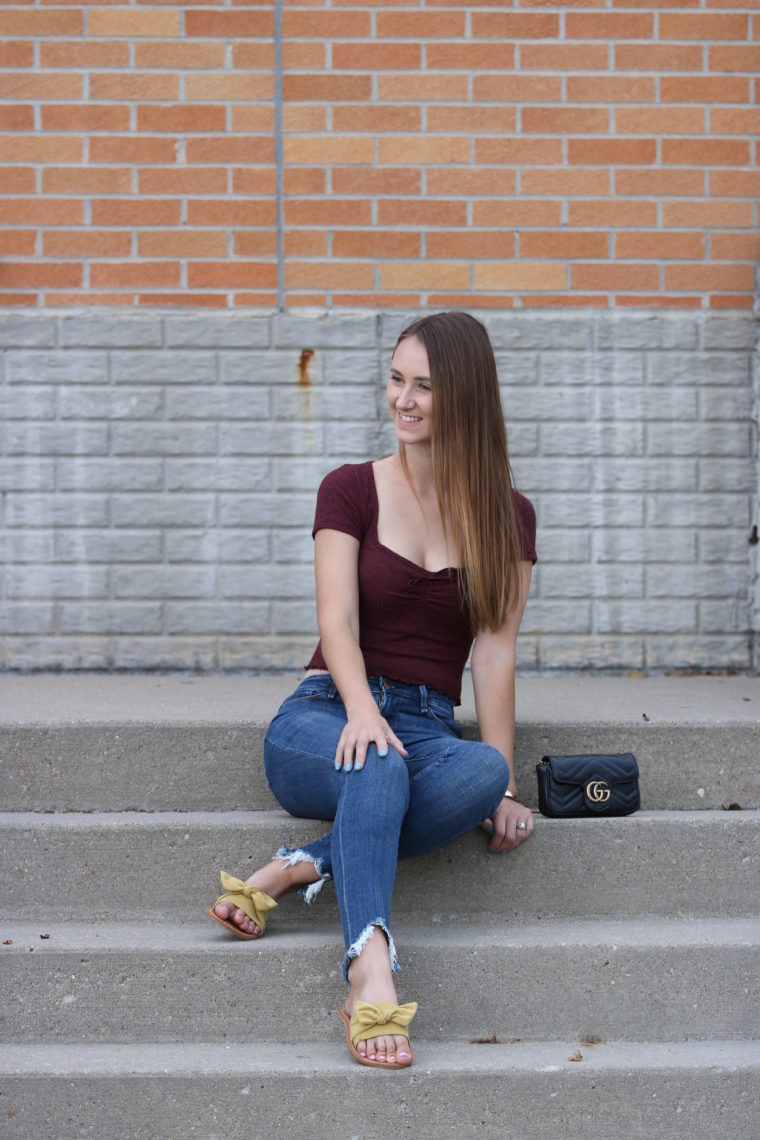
[(409, 392)]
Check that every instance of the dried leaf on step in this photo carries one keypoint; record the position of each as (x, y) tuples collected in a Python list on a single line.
[(591, 1041), (44, 936), (733, 807), (576, 1056), (492, 1040), (7, 942)]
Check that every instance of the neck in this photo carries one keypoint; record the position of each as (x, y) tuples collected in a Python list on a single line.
[(419, 469)]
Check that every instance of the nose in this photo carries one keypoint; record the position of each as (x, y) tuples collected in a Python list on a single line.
[(406, 396)]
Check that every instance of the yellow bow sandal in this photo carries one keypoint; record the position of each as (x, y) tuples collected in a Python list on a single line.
[(254, 902), (384, 1020)]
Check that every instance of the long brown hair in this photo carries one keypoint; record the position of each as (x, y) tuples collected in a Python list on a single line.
[(471, 470)]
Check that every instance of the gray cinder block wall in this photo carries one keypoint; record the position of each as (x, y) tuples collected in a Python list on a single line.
[(158, 474)]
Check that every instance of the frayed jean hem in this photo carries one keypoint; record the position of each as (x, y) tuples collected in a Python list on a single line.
[(309, 893), (356, 948)]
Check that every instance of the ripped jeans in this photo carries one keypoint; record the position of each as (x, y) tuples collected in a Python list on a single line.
[(391, 809)]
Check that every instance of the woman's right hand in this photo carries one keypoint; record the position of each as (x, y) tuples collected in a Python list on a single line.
[(361, 730)]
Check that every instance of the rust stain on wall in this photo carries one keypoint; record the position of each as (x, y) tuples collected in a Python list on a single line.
[(304, 379)]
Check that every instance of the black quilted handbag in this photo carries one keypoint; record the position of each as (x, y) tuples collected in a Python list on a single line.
[(570, 786)]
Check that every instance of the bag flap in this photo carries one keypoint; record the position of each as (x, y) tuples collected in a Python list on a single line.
[(580, 770)]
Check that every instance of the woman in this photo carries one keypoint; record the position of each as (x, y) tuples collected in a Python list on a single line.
[(416, 556)]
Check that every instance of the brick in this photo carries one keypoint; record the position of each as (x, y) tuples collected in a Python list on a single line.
[(293, 546), (327, 25), (221, 475), (212, 331), (416, 149), (48, 582), (17, 118), (659, 58), (730, 368), (19, 330), (721, 545), (653, 244), (110, 617), (515, 212), (729, 332), (217, 617), (518, 88), (346, 149), (162, 367), (140, 151), (27, 546), (325, 88), (725, 510), (227, 213), (94, 546), (279, 439), (423, 88), (689, 581), (19, 180), (19, 242), (613, 152), (595, 582), (706, 152), (86, 243), (139, 274), (109, 475), (60, 510), (27, 404), (61, 86), (630, 616), (353, 117), (329, 274), (202, 151), (739, 57), (27, 618), (660, 476), (549, 243), (89, 54), (126, 23), (703, 26), (609, 25), (300, 212), (662, 183), (641, 275), (424, 26), (294, 617), (109, 404), (592, 181), (729, 277), (610, 89), (473, 244), (725, 404), (164, 581), (214, 404), (599, 212), (17, 53), (134, 87), (109, 331), (162, 439), (660, 121), (259, 581), (377, 56), (564, 57), (128, 212), (735, 120), (647, 545), (463, 56), (55, 439), (181, 243), (593, 652), (245, 546), (233, 25), (423, 213), (268, 510), (704, 89), (23, 367), (182, 118), (540, 615), (565, 120), (44, 211), (725, 617), (178, 54), (176, 653), (36, 22), (162, 510), (298, 243), (253, 119)]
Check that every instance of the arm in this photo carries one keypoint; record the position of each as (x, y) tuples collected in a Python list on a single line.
[(336, 561), (493, 677)]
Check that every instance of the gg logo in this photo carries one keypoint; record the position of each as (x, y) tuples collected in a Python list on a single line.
[(598, 791)]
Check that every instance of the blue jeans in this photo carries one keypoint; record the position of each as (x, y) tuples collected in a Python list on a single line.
[(393, 808)]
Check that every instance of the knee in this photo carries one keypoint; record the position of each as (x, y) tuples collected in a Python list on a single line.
[(493, 765)]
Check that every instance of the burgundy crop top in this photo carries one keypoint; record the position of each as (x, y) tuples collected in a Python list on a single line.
[(412, 625)]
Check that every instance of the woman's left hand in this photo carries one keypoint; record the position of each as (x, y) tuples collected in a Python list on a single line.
[(510, 825)]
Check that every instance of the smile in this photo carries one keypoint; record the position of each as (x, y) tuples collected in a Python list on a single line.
[(409, 419)]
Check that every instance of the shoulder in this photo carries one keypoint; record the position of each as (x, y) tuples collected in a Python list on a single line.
[(344, 500), (526, 516)]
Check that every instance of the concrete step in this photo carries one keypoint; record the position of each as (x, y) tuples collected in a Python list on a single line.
[(585, 980), (158, 743), (129, 866), (682, 1091)]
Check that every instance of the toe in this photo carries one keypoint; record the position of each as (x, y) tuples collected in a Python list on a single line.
[(403, 1051)]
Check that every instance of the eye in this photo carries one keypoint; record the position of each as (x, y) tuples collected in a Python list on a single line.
[(425, 386)]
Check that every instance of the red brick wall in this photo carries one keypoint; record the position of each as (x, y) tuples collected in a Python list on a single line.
[(585, 153)]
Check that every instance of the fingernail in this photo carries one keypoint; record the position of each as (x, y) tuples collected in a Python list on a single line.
[(337, 765), (383, 751), (504, 851), (359, 765), (490, 830), (349, 766), (493, 851)]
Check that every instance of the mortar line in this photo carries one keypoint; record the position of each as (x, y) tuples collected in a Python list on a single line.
[(279, 156)]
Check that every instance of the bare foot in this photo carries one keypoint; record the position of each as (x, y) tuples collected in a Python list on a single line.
[(371, 980), (275, 880)]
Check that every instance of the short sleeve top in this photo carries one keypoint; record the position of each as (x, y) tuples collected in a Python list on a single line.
[(413, 626)]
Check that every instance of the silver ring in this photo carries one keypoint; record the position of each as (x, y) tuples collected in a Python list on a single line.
[(522, 827)]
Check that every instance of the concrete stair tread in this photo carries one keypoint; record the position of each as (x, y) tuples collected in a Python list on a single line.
[(246, 1059), (193, 937), (100, 698)]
